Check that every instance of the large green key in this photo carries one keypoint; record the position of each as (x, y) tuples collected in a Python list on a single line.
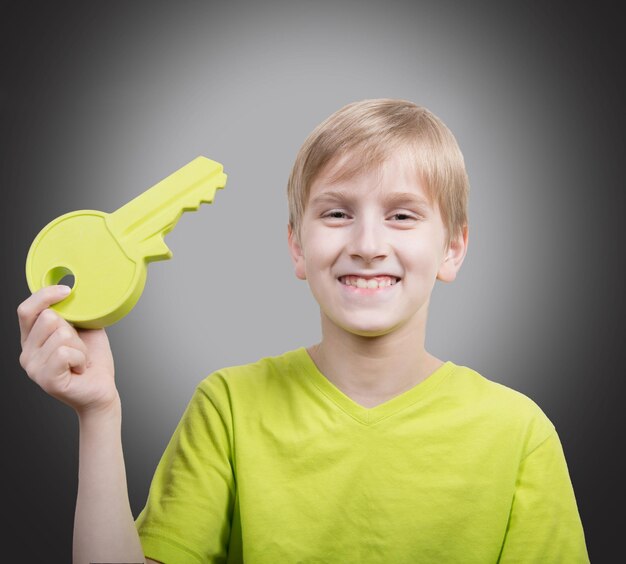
[(108, 253)]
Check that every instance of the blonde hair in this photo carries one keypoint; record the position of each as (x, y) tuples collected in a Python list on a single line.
[(363, 135)]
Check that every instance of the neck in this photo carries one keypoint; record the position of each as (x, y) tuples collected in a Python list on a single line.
[(372, 370)]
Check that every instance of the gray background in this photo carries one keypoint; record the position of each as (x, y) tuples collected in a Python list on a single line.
[(99, 101)]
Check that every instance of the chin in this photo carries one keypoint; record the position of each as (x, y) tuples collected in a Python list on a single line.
[(372, 334), (369, 331), (371, 325)]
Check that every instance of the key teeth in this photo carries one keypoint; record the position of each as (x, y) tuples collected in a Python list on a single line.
[(207, 198), (193, 203), (154, 249)]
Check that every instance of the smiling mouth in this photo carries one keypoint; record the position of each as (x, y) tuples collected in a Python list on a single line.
[(370, 283)]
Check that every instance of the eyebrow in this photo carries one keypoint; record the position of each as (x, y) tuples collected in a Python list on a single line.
[(400, 198), (395, 199), (330, 196)]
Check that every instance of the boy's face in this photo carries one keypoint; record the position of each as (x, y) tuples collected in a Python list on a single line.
[(372, 246)]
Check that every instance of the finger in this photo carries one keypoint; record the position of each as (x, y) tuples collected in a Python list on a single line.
[(45, 325), (30, 308), (63, 336), (48, 322), (63, 361), (67, 358)]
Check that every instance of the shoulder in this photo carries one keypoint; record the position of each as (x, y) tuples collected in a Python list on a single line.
[(254, 379), (487, 390), (511, 411)]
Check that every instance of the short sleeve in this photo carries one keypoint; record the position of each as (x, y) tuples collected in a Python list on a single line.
[(188, 513), (544, 525)]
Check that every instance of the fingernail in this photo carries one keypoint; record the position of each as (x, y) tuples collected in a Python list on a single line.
[(64, 290)]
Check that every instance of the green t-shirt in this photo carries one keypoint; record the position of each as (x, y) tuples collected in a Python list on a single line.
[(272, 463)]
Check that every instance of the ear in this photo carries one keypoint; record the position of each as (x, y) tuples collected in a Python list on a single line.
[(453, 257), (297, 256)]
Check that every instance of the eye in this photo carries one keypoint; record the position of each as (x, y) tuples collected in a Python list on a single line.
[(335, 214), (401, 216)]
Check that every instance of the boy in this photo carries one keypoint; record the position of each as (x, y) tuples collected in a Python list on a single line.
[(361, 448)]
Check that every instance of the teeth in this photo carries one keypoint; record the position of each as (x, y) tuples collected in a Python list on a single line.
[(371, 283)]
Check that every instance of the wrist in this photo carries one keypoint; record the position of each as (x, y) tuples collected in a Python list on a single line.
[(108, 412)]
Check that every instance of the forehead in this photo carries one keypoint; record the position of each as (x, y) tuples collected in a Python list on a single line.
[(355, 176)]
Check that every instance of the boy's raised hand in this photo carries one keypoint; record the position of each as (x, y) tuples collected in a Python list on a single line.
[(75, 367)]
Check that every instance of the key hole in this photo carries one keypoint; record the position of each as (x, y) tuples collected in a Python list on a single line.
[(60, 275)]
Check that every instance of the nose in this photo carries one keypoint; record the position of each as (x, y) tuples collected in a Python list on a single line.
[(368, 241)]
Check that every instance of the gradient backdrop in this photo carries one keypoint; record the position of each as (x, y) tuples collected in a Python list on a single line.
[(99, 101)]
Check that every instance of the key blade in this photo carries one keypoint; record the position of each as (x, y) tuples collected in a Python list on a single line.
[(141, 224)]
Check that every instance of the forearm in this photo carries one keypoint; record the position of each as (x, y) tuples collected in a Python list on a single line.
[(104, 528)]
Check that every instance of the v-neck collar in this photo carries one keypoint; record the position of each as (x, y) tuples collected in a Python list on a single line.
[(371, 415)]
